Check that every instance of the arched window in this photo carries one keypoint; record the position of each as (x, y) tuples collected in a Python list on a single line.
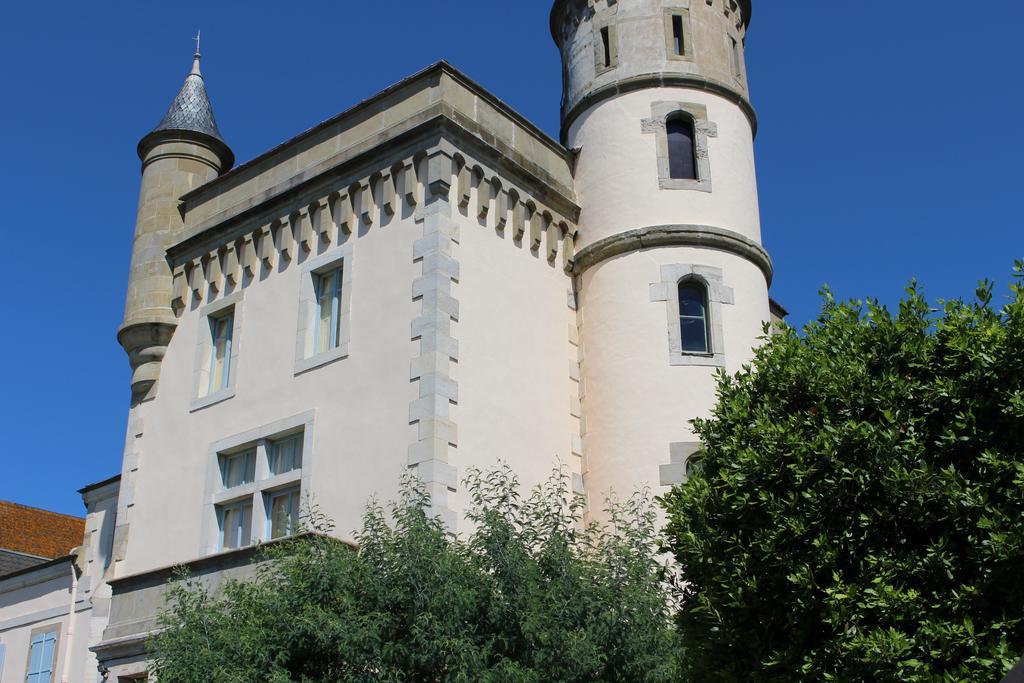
[(681, 162), (693, 317)]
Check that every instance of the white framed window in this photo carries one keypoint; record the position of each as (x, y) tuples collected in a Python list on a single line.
[(236, 525), (286, 454), (217, 352), (221, 328), (325, 302), (238, 469), (255, 482), (42, 655), (328, 302), (283, 513)]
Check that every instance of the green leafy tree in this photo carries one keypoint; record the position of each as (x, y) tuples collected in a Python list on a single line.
[(530, 594), (858, 513)]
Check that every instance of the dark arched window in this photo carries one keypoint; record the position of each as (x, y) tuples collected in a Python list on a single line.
[(681, 163), (693, 317)]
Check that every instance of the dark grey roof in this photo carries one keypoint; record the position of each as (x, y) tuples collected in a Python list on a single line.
[(190, 112), (11, 561), (191, 109)]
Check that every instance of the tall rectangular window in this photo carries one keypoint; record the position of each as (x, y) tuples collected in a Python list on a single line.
[(328, 301), (283, 513), (606, 45), (42, 657), (221, 328), (236, 525), (238, 469), (286, 454), (677, 35), (737, 67)]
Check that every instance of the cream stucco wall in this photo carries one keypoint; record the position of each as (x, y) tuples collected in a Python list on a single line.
[(360, 402), (513, 372), (636, 403), (617, 170)]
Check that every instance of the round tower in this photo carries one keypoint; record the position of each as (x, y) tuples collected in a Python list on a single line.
[(672, 280), (184, 151)]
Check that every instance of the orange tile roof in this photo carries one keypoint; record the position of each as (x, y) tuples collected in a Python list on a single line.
[(38, 532)]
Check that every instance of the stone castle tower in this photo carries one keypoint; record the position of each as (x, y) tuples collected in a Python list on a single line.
[(428, 281), (184, 151), (656, 105)]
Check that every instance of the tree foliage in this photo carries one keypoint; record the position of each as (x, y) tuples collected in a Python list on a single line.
[(858, 514), (530, 594)]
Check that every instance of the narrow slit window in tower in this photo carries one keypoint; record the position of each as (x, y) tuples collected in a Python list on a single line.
[(606, 45), (677, 35), (693, 317), (735, 46), (681, 161)]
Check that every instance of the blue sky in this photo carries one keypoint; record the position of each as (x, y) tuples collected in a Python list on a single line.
[(889, 149)]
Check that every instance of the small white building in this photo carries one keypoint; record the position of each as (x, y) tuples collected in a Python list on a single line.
[(429, 281)]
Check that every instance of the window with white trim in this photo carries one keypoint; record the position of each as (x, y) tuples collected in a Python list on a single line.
[(238, 469), (221, 331), (216, 359), (286, 454), (282, 513), (328, 301), (236, 525), (255, 484), (325, 301)]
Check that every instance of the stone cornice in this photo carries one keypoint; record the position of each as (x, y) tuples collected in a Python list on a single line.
[(427, 78), (674, 236), (659, 80)]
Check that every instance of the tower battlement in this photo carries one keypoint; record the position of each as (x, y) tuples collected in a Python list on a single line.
[(614, 46)]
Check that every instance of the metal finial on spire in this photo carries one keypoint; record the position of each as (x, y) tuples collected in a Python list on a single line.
[(195, 59)]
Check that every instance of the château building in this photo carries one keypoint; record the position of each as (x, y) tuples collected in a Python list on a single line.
[(428, 281)]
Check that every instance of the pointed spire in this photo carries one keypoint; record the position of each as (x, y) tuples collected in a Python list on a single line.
[(196, 58), (191, 110)]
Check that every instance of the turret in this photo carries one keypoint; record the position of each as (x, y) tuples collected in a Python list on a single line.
[(184, 151), (672, 280)]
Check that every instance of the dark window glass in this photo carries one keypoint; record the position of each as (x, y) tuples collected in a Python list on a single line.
[(677, 34), (681, 163), (607, 44), (693, 318)]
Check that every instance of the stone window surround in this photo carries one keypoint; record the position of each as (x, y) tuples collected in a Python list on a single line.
[(680, 453), (264, 483), (613, 47), (55, 627), (734, 44), (667, 290), (204, 349), (305, 360), (682, 11), (703, 129)]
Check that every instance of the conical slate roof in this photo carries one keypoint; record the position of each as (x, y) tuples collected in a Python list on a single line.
[(191, 109), (191, 112)]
